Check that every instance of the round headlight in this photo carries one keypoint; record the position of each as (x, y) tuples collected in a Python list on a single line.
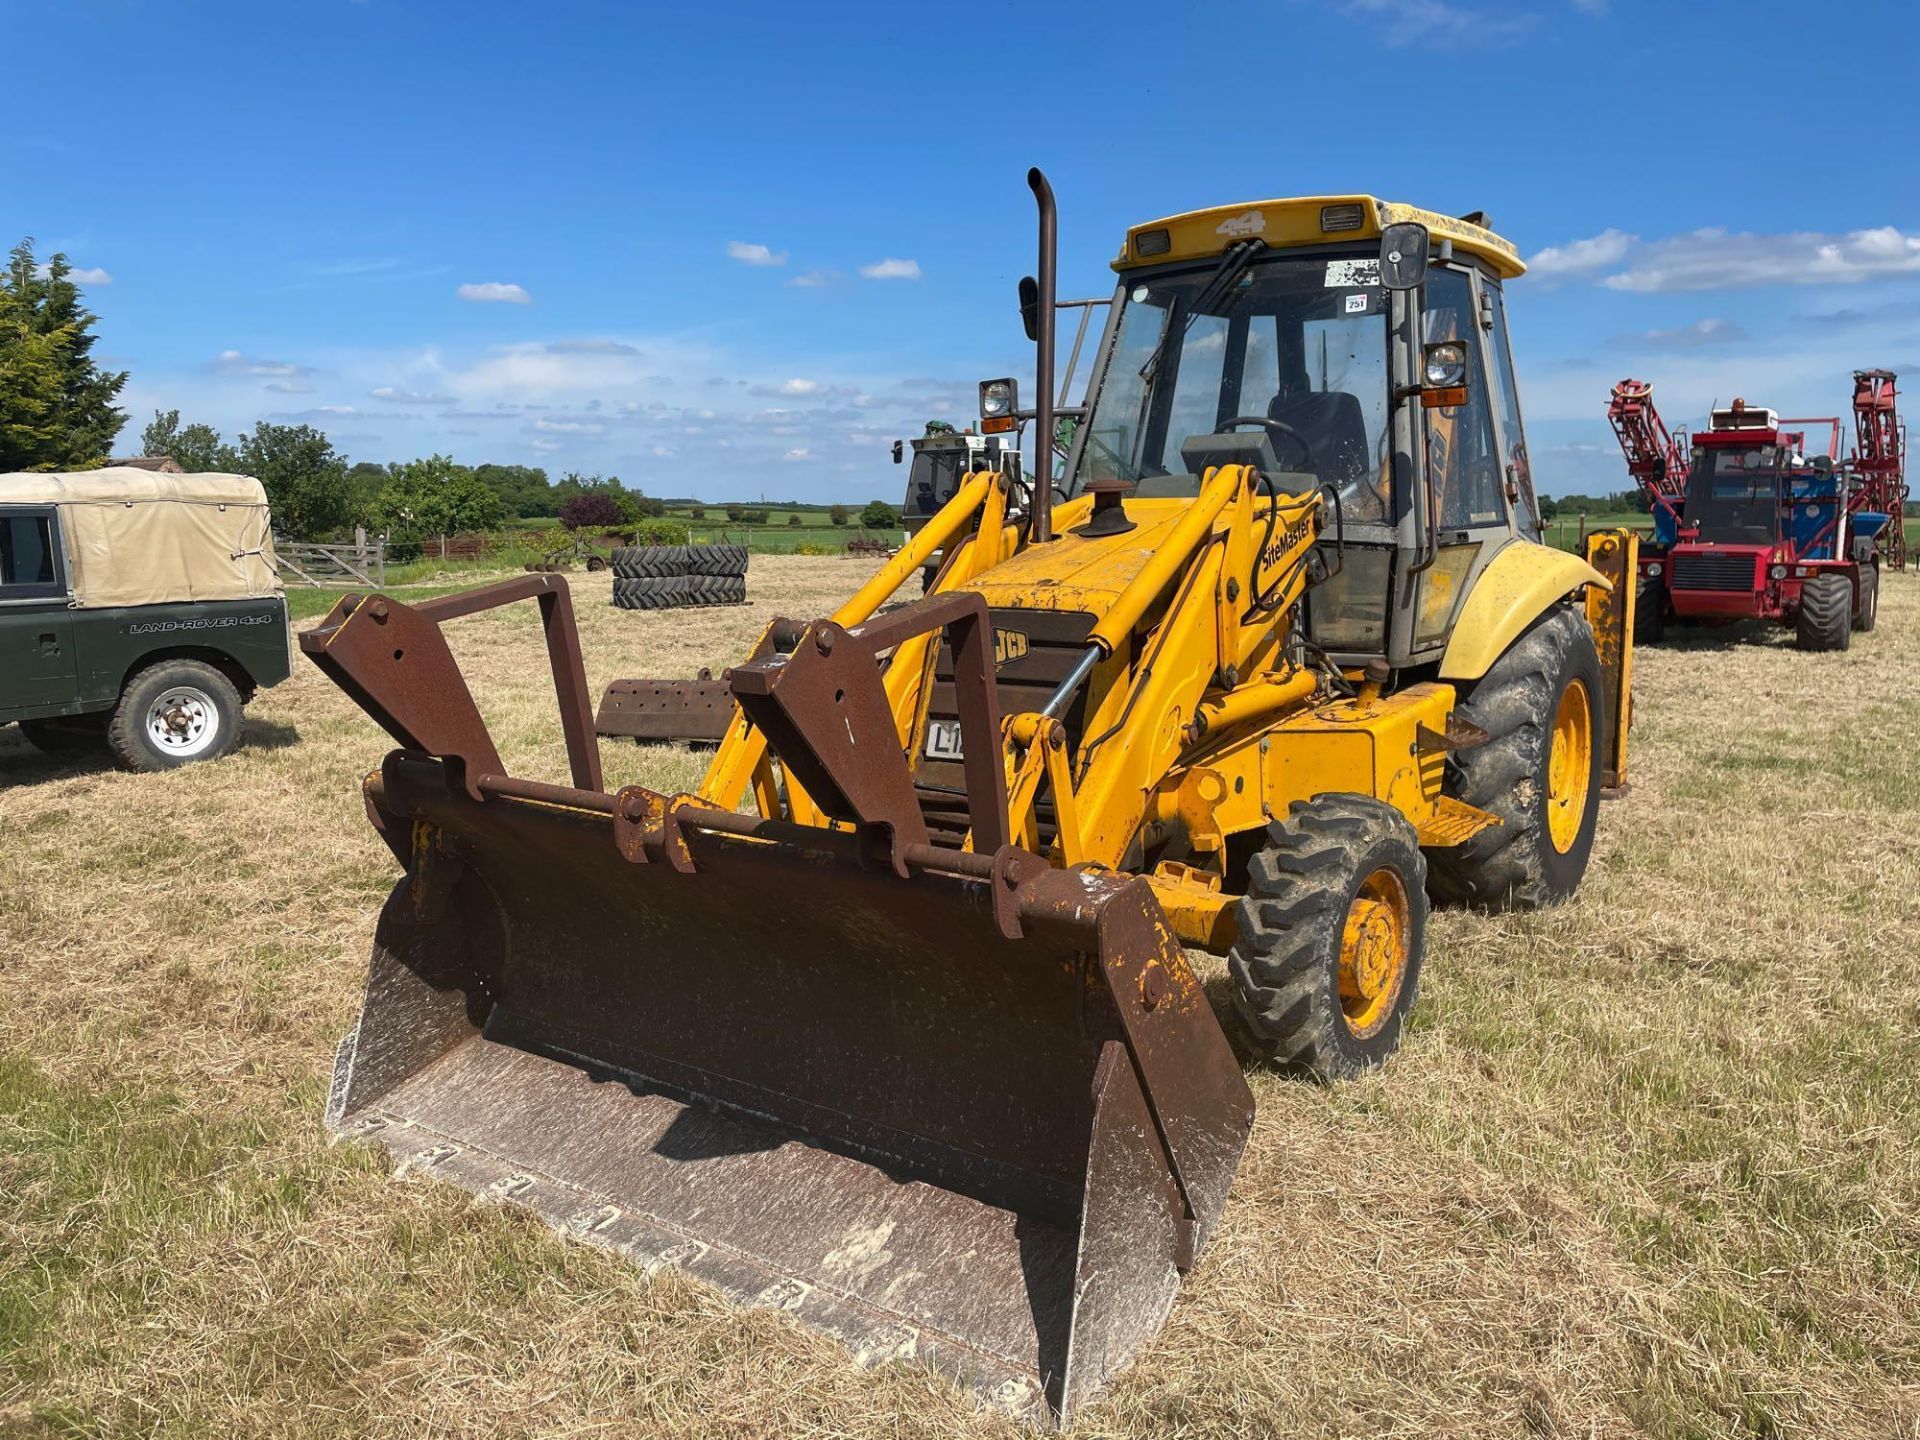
[(1446, 364), (996, 399), (1654, 568), (1778, 572)]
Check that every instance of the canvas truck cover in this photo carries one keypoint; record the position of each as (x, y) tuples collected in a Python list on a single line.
[(135, 537)]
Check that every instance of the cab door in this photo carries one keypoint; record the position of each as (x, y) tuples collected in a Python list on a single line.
[(1465, 470), (38, 671)]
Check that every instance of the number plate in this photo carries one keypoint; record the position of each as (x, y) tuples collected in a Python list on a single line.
[(943, 740)]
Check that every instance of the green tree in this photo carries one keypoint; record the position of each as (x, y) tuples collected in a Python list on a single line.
[(434, 496), (197, 449), (56, 404), (523, 489), (878, 515), (305, 477), (736, 513), (838, 514), (794, 518)]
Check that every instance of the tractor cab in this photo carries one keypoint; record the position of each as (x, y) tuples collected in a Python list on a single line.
[(1340, 345), (1744, 470)]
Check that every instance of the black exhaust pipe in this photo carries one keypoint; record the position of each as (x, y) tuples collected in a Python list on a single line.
[(1042, 502)]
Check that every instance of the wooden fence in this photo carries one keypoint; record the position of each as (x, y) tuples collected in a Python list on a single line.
[(362, 563)]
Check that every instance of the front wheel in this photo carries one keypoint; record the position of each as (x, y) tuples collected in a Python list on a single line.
[(1539, 771), (1331, 933), (1825, 621), (1650, 612), (173, 714)]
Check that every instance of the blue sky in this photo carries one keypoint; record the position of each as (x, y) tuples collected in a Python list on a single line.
[(734, 250)]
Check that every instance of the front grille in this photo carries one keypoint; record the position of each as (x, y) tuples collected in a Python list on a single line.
[(1054, 642), (1713, 570)]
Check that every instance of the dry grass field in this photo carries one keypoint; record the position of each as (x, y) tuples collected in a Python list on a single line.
[(1646, 1165)]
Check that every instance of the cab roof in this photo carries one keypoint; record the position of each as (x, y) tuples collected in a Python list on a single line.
[(1305, 220)]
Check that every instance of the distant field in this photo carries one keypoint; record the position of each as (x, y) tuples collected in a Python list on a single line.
[(1646, 1166)]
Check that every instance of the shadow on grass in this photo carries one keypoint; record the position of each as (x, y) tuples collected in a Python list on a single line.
[(1712, 639), (22, 763)]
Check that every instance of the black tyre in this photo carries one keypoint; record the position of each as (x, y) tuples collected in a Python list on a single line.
[(716, 589), (1650, 612), (1867, 613), (1539, 772), (650, 562), (1331, 933), (174, 713), (653, 593), (1825, 621), (717, 560), (65, 736)]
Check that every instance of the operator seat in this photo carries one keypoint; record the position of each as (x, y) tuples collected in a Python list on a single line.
[(1333, 424)]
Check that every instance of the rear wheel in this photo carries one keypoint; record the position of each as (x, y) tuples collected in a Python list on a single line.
[(172, 714), (1331, 932), (1825, 621), (1539, 772), (1868, 611)]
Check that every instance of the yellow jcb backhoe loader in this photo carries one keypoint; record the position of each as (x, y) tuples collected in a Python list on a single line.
[(891, 1025)]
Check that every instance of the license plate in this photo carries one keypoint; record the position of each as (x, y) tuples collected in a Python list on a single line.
[(943, 740)]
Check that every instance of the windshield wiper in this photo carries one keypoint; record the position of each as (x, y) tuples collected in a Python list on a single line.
[(1235, 259)]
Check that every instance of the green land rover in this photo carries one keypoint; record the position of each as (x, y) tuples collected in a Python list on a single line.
[(137, 610)]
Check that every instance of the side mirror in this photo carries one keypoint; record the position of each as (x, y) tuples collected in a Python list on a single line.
[(1030, 306), (1403, 255)]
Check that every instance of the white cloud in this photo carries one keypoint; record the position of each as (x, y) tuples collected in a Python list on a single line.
[(494, 291), (393, 394), (287, 387), (1691, 337), (1436, 23), (546, 445), (570, 427), (232, 362), (1579, 257), (814, 279), (798, 454), (79, 274), (748, 254), (891, 269), (1717, 260), (591, 347)]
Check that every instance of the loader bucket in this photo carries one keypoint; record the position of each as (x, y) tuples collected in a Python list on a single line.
[(967, 1110)]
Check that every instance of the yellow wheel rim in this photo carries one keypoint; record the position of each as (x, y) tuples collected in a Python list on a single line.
[(1569, 767), (1373, 952)]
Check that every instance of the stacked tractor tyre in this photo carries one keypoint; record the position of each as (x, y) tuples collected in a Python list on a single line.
[(667, 577)]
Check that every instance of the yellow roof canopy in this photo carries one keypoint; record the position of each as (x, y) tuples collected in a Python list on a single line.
[(1305, 220)]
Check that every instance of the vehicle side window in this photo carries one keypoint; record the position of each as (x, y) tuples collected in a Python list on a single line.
[(1461, 462), (1203, 359), (27, 555), (1506, 395)]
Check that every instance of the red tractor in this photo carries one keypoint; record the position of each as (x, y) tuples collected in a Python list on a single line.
[(1748, 525)]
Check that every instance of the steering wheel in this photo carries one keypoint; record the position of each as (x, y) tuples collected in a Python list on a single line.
[(1278, 428)]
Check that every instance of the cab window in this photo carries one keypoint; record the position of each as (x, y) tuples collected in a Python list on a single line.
[(1462, 464), (1506, 394), (28, 560)]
